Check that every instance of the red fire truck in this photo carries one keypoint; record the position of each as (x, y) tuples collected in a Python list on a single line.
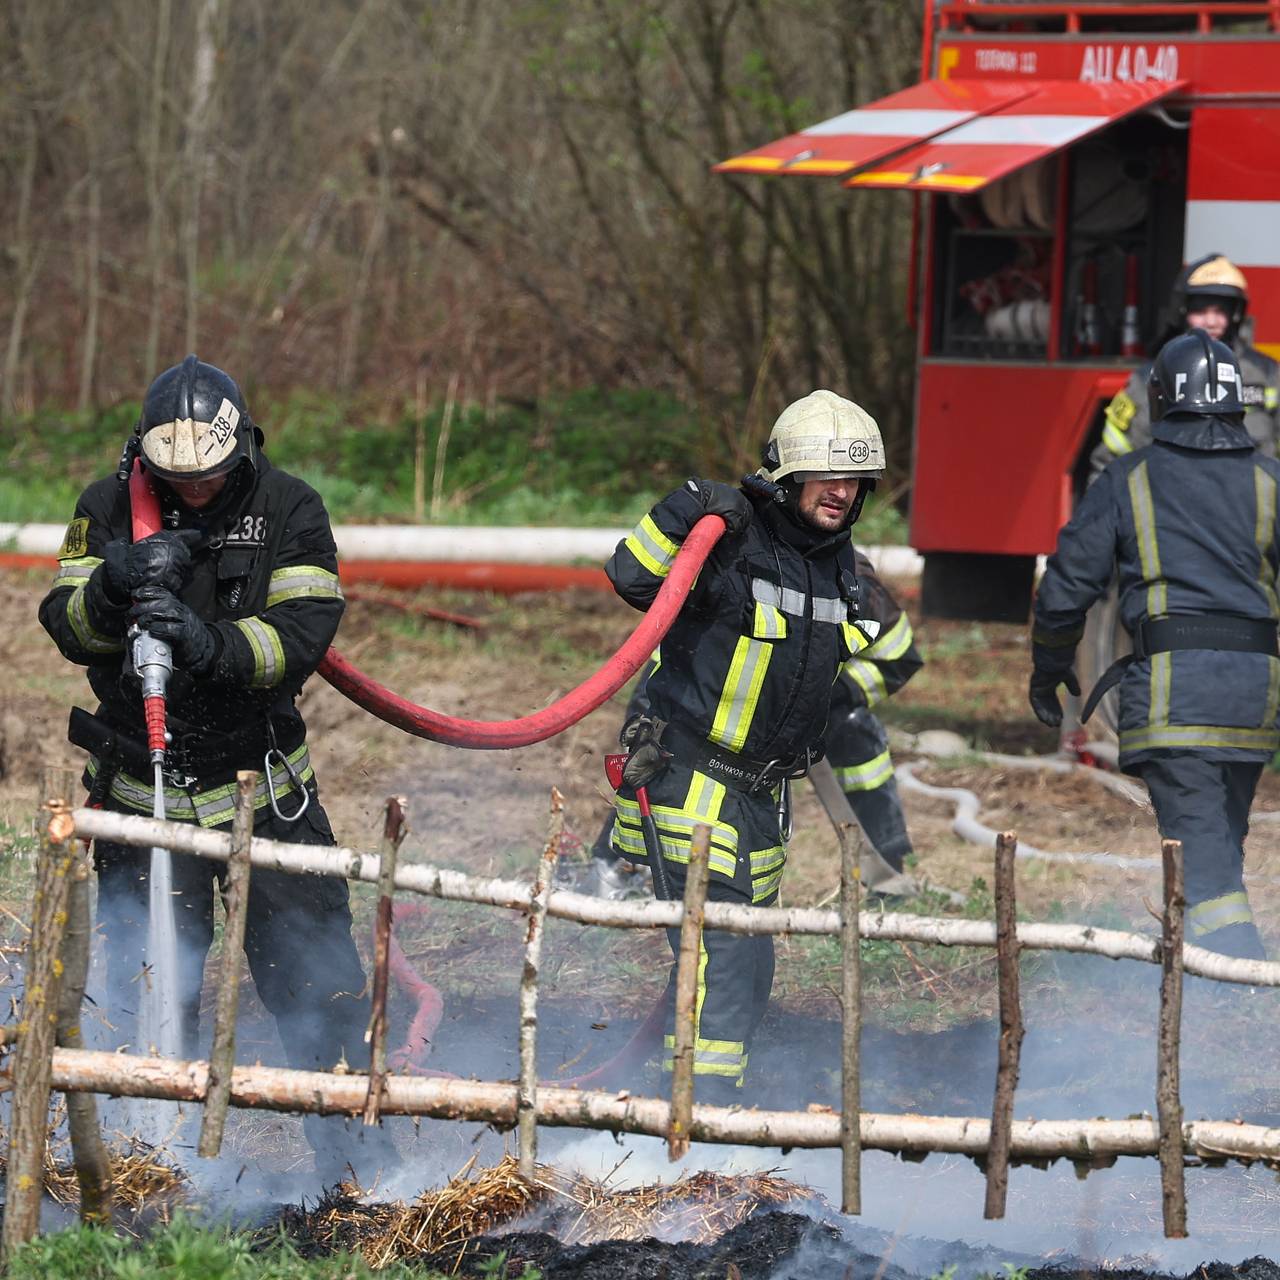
[(1069, 158)]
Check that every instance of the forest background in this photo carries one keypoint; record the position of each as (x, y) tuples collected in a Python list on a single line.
[(467, 258)]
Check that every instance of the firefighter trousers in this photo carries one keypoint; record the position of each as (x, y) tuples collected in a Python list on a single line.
[(1205, 804), (298, 943), (735, 971), (858, 749)]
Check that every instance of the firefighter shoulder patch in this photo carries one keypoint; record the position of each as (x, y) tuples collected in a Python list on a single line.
[(75, 542)]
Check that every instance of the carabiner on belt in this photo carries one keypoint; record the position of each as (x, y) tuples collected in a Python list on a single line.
[(294, 779)]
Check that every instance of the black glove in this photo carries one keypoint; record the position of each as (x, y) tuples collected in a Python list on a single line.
[(195, 644), (724, 500), (162, 560), (1044, 694)]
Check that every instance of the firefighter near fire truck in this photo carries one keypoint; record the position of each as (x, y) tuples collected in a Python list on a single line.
[(1210, 294), (1189, 522), (738, 704), (241, 583)]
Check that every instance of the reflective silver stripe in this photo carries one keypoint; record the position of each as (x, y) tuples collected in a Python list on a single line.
[(769, 622), (826, 609), (91, 640), (268, 653), (651, 547), (894, 643), (75, 573), (209, 808), (869, 679), (741, 693), (1218, 913), (868, 776), (785, 598), (301, 581)]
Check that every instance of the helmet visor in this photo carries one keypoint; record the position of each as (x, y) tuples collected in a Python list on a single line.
[(187, 449)]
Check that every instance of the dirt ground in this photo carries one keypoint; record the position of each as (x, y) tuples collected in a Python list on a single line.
[(929, 1038), (486, 812)]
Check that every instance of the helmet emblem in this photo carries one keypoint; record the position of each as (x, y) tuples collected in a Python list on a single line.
[(859, 452)]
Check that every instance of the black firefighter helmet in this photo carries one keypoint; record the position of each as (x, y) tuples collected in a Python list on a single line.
[(194, 424), (1213, 278), (1193, 374)]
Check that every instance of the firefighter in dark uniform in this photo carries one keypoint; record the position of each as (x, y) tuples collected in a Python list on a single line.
[(1210, 294), (242, 583), (1189, 522), (855, 740), (738, 704)]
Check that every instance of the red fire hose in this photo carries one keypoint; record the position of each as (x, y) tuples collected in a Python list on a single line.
[(493, 735), (489, 735)]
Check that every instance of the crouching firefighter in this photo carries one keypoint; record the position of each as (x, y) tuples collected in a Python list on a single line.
[(738, 703), (1189, 521), (242, 583)]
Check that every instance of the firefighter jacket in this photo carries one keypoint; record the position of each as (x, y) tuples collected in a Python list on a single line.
[(750, 661), (265, 577), (1189, 523), (891, 659), (1127, 420)]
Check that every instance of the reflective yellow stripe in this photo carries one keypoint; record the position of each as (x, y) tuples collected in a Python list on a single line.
[(1264, 532), (1161, 677), (868, 677), (268, 653), (767, 866), (301, 581), (210, 808), (1118, 444), (768, 623), (90, 639), (1271, 399), (1266, 738), (651, 547), (868, 776), (1272, 709), (1218, 913), (855, 638), (893, 644), (75, 573), (741, 693), (1144, 519)]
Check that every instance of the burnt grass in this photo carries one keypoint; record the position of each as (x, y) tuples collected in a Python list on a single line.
[(770, 1245)]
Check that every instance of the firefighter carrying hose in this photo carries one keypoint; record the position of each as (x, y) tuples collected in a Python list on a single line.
[(1210, 294), (242, 583), (738, 704), (1189, 522), (857, 746)]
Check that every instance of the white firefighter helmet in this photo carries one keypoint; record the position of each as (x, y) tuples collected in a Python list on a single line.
[(820, 436)]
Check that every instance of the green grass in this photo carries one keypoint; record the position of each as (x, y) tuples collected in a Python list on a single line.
[(585, 458), (184, 1251)]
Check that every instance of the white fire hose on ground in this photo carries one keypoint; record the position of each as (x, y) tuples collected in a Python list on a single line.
[(968, 807)]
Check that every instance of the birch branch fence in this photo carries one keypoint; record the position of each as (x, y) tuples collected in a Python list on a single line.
[(37, 1065)]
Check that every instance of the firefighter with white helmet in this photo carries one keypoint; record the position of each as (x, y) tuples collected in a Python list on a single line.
[(1211, 294), (738, 704)]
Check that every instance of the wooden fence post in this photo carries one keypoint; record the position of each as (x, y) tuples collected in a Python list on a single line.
[(851, 1022), (527, 1094), (695, 898), (394, 829), (222, 1057), (1173, 1189), (89, 1153), (37, 1033), (1007, 953)]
